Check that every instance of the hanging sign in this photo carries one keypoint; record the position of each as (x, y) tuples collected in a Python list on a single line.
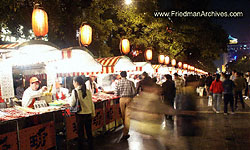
[(6, 81)]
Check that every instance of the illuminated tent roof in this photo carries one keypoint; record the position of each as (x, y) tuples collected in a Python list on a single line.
[(33, 52), (116, 64), (77, 61), (144, 66)]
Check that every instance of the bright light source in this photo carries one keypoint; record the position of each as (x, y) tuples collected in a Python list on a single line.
[(128, 2)]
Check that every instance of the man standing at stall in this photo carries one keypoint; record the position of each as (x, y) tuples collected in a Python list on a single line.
[(31, 94), (126, 90)]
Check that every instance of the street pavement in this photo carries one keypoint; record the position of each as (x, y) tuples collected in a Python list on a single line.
[(196, 129), (201, 129)]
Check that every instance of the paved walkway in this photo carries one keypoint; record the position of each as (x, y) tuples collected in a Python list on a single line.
[(199, 129), (204, 130)]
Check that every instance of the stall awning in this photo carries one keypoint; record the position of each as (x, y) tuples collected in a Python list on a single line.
[(7, 46), (156, 67), (76, 61), (116, 64), (144, 67)]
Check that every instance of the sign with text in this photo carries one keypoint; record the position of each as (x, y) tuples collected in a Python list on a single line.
[(8, 141), (98, 120), (71, 127), (6, 81), (38, 137)]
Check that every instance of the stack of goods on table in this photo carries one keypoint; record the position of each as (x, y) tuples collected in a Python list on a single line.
[(16, 112), (103, 96)]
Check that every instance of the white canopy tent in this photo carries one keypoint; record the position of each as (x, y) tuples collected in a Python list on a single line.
[(144, 67)]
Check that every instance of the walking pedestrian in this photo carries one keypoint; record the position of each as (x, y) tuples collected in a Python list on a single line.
[(228, 86), (169, 92), (216, 88), (239, 86), (126, 90)]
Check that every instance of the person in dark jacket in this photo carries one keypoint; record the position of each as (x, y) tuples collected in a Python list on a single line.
[(208, 82), (169, 92), (239, 86), (228, 86)]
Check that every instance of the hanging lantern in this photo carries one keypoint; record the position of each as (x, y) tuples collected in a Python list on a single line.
[(173, 62), (39, 22), (167, 60), (86, 35), (185, 66), (148, 54), (125, 46), (161, 59), (188, 67), (179, 64)]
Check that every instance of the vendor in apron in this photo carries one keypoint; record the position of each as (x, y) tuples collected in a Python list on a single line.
[(61, 93), (32, 94)]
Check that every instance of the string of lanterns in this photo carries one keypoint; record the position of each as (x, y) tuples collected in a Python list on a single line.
[(40, 29)]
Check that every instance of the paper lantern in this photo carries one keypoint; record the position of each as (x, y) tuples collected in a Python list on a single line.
[(86, 35), (161, 59), (39, 22), (173, 62), (179, 64), (185, 66), (167, 60), (125, 46), (148, 54)]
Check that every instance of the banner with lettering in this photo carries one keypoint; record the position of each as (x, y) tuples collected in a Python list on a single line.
[(98, 120), (38, 137), (71, 127), (8, 141)]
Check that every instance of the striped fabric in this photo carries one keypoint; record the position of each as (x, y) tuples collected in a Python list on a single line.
[(156, 67), (139, 68), (73, 74), (66, 53), (108, 64), (13, 45)]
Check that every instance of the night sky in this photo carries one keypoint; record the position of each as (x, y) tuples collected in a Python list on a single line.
[(237, 27)]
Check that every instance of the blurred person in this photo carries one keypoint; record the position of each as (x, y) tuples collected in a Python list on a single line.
[(216, 88), (248, 82), (208, 82), (148, 111), (126, 90), (61, 92), (169, 92), (32, 94), (179, 84), (145, 78), (246, 86), (19, 90), (233, 76), (92, 85), (84, 117), (239, 86), (228, 86), (222, 76)]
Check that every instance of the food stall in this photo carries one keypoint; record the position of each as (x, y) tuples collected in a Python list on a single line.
[(112, 66), (25, 125)]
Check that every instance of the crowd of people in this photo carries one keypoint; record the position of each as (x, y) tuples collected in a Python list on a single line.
[(229, 86), (157, 96)]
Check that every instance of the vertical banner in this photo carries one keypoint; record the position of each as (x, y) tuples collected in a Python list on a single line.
[(6, 80), (98, 120), (8, 141), (71, 127), (110, 113), (38, 137)]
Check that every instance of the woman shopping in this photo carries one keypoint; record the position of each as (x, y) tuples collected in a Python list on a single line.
[(84, 116)]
